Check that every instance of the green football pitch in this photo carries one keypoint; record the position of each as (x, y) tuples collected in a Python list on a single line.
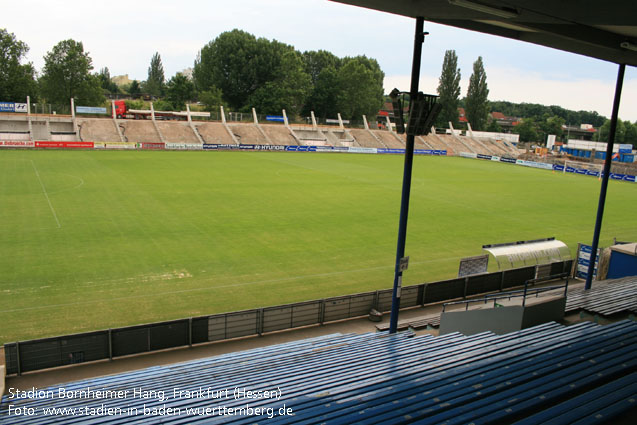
[(93, 240)]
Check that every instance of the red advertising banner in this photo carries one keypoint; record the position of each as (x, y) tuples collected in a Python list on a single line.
[(50, 144), (16, 144), (154, 146)]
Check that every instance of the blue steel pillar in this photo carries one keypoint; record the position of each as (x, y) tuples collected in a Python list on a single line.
[(606, 176), (409, 159)]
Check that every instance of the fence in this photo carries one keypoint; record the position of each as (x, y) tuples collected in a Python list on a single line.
[(45, 353)]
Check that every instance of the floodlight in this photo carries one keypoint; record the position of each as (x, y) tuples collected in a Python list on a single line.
[(423, 110)]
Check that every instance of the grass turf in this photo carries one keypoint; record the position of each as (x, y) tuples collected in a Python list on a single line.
[(93, 240)]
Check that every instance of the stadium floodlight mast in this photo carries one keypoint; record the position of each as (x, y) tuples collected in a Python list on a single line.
[(423, 110)]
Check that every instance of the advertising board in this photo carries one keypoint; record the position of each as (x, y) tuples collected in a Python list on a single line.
[(16, 144), (65, 145)]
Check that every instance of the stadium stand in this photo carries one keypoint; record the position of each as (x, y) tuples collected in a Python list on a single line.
[(310, 137), (177, 132), (606, 297), (480, 147), (584, 372), (279, 134), (139, 131), (338, 138), (422, 143), (248, 134), (214, 133), (366, 139), (498, 148), (389, 139), (97, 130)]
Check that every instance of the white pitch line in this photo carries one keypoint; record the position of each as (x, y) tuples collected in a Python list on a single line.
[(46, 195)]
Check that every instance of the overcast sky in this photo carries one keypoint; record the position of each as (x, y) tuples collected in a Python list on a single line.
[(124, 36)]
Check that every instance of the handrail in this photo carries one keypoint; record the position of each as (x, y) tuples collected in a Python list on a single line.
[(515, 294)]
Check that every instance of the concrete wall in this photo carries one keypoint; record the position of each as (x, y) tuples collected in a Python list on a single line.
[(502, 320)]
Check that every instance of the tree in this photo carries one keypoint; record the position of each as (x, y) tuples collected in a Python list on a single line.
[(604, 132), (66, 75), (477, 97), (316, 61), (179, 90), (551, 125), (494, 127), (360, 80), (17, 81), (228, 63), (323, 99), (630, 136), (155, 82), (287, 91), (105, 81), (449, 90), (134, 89), (527, 129), (211, 99)]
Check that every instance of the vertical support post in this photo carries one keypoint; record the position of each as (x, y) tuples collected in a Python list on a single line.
[(409, 159), (152, 111), (365, 123), (340, 121), (314, 125), (606, 174), (28, 105), (254, 117), (322, 312), (73, 108), (223, 114), (188, 112), (17, 355), (189, 328), (285, 118), (113, 112), (110, 344)]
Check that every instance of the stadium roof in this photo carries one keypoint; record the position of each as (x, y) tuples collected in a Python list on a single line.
[(604, 30)]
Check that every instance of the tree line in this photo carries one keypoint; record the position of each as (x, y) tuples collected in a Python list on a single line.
[(235, 69), (536, 121)]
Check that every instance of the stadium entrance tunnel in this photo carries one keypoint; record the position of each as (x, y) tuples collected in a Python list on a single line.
[(528, 253)]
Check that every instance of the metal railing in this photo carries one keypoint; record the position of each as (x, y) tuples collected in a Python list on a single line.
[(523, 293), (107, 344)]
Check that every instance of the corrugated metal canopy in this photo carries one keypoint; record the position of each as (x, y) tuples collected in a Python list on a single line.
[(603, 30), (527, 254)]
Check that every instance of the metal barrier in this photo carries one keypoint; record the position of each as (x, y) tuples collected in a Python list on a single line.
[(27, 356)]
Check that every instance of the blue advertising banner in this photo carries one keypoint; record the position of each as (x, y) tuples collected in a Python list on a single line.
[(7, 107), (558, 167), (508, 160), (399, 151), (277, 118), (584, 260), (269, 147), (481, 156)]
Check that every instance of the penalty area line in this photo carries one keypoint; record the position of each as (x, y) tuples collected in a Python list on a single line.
[(46, 195)]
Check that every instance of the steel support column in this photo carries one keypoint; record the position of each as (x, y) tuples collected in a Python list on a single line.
[(606, 175), (409, 159)]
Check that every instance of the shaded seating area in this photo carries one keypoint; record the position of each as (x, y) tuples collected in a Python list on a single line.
[(547, 371)]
